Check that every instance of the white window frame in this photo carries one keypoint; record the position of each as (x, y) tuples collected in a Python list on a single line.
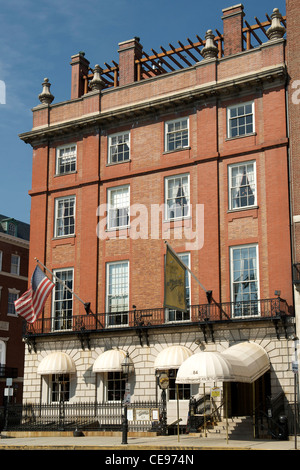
[(15, 293), (15, 267), (63, 226), (64, 321), (230, 118), (231, 188), (113, 318), (113, 207), (169, 132), (167, 198), (238, 307), (2, 353), (70, 159), (180, 317), (120, 137)]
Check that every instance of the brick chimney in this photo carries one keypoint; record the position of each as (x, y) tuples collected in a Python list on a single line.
[(232, 29), (80, 68), (129, 51)]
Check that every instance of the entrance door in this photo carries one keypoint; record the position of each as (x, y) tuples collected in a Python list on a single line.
[(244, 396)]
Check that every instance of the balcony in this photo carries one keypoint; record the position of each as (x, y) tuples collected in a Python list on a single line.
[(203, 315)]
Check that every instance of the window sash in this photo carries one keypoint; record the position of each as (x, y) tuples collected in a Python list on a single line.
[(60, 388), (240, 119), (176, 134), (12, 296), (245, 280), (177, 197), (15, 265), (66, 158), (117, 295), (118, 207), (242, 185), (119, 148), (62, 300), (65, 216), (115, 386)]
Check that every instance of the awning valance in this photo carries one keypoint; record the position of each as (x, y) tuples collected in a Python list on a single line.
[(171, 357), (109, 361), (249, 361), (205, 367), (56, 363)]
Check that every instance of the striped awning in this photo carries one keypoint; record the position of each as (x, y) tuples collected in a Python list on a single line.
[(56, 363), (172, 357), (109, 361)]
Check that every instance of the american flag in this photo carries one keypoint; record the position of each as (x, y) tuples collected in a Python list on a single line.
[(31, 303)]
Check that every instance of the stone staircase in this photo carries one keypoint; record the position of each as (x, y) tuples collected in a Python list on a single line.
[(239, 428)]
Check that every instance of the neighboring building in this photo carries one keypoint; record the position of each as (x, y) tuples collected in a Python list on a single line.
[(188, 145), (14, 253)]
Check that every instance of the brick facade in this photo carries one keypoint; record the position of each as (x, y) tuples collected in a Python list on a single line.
[(202, 93)]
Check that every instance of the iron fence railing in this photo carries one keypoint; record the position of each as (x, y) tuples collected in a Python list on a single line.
[(213, 312), (93, 416)]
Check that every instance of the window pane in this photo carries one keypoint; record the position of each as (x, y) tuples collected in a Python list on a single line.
[(63, 300), (65, 216), (244, 281), (177, 134), (118, 293), (240, 120), (118, 148)]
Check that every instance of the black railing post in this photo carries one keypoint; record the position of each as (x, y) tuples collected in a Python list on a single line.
[(124, 425)]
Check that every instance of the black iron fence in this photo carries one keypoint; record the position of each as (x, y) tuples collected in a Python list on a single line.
[(213, 312), (142, 416)]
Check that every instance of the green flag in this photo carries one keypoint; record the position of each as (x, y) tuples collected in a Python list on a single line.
[(175, 296)]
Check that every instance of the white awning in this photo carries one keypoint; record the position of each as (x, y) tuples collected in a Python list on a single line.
[(171, 357), (56, 363), (109, 361), (205, 367), (249, 361)]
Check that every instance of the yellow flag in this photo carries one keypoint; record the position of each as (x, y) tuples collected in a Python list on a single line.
[(174, 282)]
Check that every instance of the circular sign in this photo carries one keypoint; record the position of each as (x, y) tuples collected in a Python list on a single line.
[(163, 381)]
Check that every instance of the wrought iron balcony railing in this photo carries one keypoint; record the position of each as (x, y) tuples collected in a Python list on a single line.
[(147, 318)]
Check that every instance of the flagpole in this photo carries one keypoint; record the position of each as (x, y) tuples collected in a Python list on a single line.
[(86, 304)]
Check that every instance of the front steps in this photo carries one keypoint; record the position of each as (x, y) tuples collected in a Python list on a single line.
[(238, 428)]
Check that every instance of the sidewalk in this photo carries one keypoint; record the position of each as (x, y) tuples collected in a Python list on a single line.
[(166, 443)]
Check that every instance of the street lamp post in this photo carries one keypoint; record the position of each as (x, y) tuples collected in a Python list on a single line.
[(127, 369)]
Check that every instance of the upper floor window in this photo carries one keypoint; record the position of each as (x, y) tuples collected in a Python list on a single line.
[(15, 264), (176, 134), (13, 295), (242, 185), (12, 229), (62, 307), (118, 207), (244, 280), (240, 120), (117, 292), (119, 147), (177, 197), (64, 216), (66, 159)]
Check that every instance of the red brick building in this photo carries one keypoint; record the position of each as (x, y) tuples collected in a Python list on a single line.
[(14, 251), (190, 146)]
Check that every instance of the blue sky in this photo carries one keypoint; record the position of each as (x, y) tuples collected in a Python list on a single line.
[(37, 40)]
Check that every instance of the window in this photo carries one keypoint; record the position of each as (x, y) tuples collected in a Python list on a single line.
[(177, 193), (64, 216), (240, 120), (242, 185), (66, 159), (176, 134), (176, 315), (60, 388), (115, 386), (11, 230), (117, 300), (2, 354), (13, 295), (119, 147), (15, 265), (63, 300), (184, 390), (118, 207), (244, 280)]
